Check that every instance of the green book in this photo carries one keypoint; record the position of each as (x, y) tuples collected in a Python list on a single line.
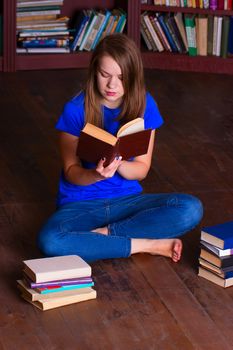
[(225, 35), (190, 27)]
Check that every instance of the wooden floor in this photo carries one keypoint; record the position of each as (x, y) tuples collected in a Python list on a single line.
[(143, 302)]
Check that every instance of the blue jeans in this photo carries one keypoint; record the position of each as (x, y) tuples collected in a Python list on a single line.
[(68, 231)]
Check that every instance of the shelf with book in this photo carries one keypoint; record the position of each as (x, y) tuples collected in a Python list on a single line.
[(10, 61), (183, 61), (22, 61)]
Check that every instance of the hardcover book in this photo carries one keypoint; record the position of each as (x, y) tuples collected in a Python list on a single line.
[(217, 251), (225, 261), (51, 303), (223, 282), (224, 273), (220, 235), (33, 295), (55, 268), (131, 140), (65, 282)]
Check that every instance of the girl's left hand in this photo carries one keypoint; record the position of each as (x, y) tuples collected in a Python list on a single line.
[(108, 171)]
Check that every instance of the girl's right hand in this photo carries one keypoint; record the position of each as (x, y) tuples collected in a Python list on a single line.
[(108, 171)]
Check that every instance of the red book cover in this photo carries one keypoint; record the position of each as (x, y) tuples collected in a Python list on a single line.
[(95, 143)]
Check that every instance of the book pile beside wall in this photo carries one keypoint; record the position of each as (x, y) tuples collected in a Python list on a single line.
[(41, 28), (216, 256), (49, 283), (194, 34)]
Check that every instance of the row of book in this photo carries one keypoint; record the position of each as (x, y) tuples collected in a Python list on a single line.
[(40, 26), (48, 283), (216, 254), (201, 4), (91, 26), (188, 33)]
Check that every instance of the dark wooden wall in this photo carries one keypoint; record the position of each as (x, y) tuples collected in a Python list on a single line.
[(143, 302)]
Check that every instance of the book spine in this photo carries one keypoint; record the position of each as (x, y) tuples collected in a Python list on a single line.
[(166, 32), (63, 288), (225, 34), (191, 35), (213, 4), (219, 36), (210, 31)]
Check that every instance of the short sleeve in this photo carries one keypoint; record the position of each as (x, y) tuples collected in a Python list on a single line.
[(152, 116), (72, 118)]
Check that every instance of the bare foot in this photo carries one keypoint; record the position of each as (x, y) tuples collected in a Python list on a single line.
[(102, 230), (167, 247)]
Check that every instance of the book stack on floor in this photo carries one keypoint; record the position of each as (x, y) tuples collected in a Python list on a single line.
[(216, 256), (40, 27), (48, 283)]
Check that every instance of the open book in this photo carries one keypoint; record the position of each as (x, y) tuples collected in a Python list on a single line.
[(131, 140)]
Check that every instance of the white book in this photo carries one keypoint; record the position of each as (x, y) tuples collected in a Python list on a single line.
[(153, 33), (47, 304), (47, 50), (56, 268), (219, 36), (216, 250), (215, 30), (91, 24), (96, 27)]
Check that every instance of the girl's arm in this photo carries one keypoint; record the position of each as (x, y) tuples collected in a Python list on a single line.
[(139, 167), (72, 167)]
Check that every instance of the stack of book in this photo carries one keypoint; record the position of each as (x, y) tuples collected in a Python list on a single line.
[(216, 256), (48, 283), (40, 27)]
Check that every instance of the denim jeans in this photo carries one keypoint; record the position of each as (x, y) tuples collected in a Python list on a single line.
[(68, 230)]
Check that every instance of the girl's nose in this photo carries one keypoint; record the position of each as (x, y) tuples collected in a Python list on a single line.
[(112, 82)]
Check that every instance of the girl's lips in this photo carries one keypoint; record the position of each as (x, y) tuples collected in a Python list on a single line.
[(108, 93)]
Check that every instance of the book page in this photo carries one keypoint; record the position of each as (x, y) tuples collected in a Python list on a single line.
[(131, 127), (99, 133)]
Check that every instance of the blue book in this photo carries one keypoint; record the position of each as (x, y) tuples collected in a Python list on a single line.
[(82, 19), (220, 235), (63, 288), (166, 32), (101, 29), (230, 37), (120, 22)]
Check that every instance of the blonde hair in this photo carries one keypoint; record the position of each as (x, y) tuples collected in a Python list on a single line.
[(125, 52)]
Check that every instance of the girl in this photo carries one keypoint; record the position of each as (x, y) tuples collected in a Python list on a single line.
[(101, 211)]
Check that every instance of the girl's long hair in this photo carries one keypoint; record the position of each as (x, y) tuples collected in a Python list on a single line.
[(125, 52)]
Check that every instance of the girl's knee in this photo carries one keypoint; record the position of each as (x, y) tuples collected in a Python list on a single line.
[(193, 208), (46, 243)]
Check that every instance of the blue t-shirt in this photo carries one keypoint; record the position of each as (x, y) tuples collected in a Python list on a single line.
[(72, 121)]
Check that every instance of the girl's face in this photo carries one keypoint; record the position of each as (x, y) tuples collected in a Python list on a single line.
[(109, 82)]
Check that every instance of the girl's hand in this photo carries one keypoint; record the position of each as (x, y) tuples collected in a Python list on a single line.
[(108, 171)]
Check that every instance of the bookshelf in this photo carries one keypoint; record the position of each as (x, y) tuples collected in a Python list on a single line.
[(10, 61), (183, 62)]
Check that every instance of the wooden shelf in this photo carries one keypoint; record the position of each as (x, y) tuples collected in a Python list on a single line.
[(52, 61), (179, 62), (158, 8)]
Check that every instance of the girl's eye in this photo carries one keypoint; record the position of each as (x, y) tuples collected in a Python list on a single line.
[(104, 75)]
